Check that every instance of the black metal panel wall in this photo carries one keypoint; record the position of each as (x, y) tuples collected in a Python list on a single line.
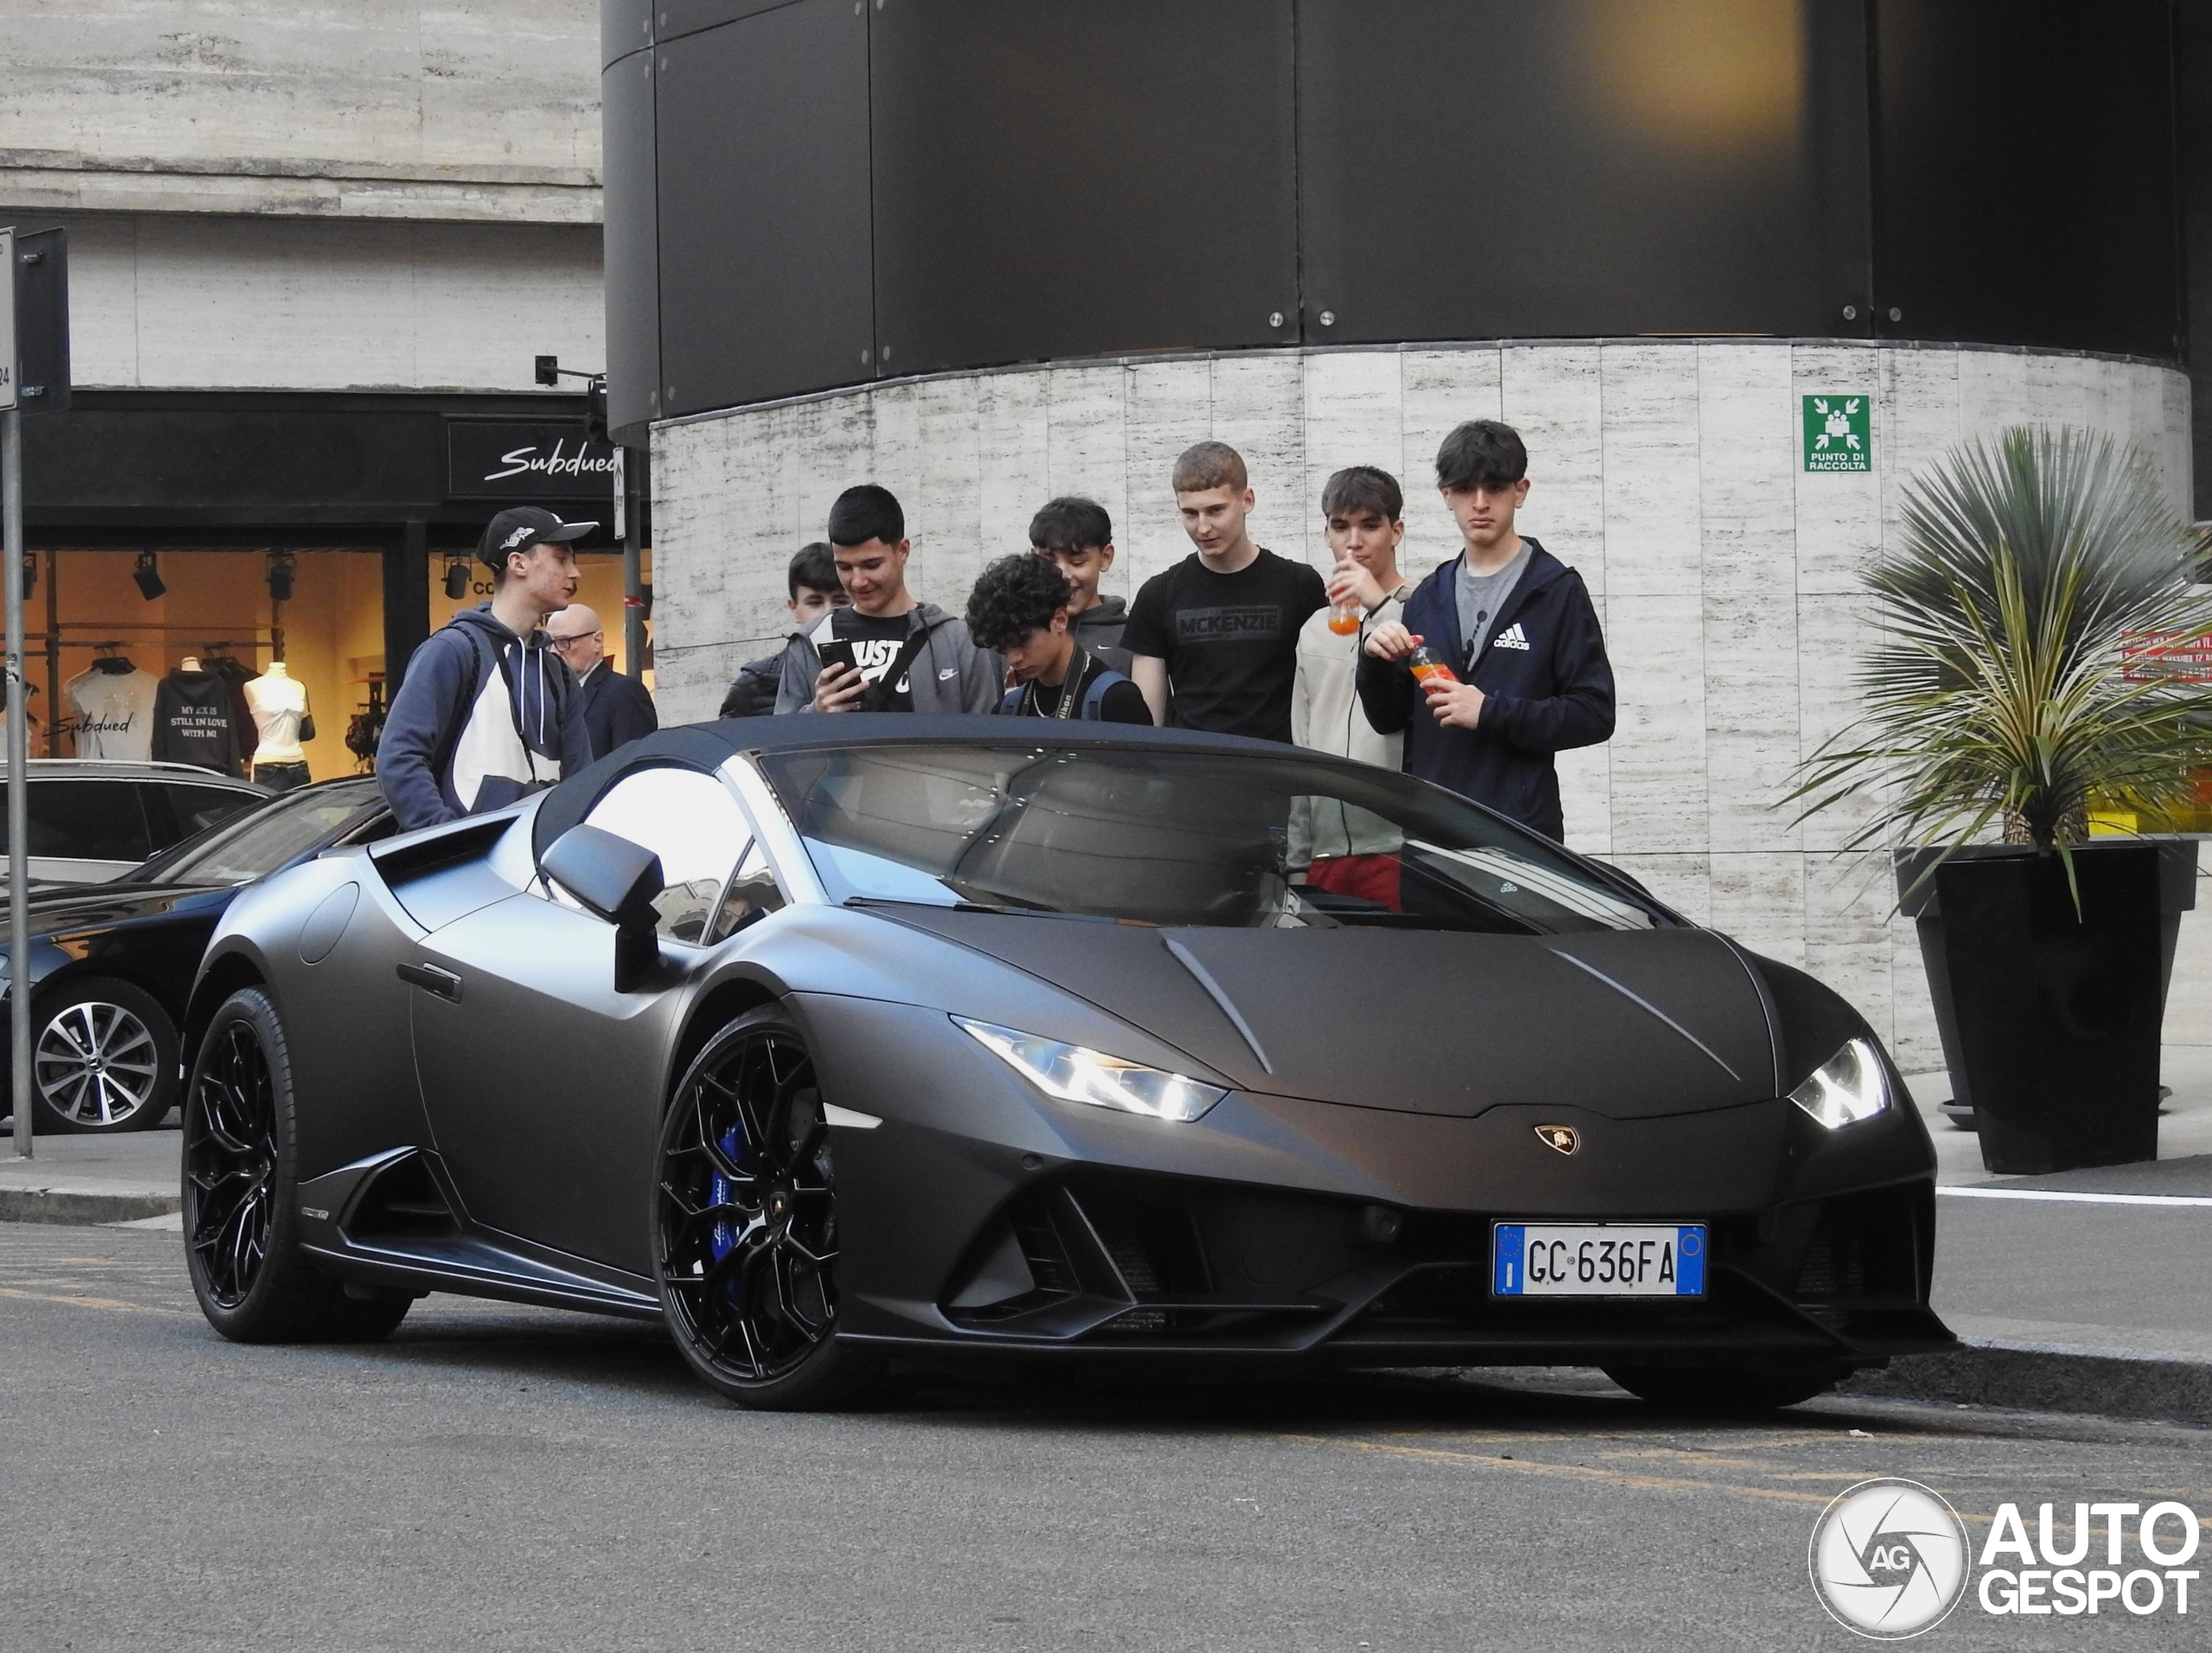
[(817, 193), (766, 263), (1487, 168), (2028, 191), (630, 242), (1069, 180)]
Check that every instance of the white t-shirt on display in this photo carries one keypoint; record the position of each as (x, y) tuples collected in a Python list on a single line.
[(113, 713)]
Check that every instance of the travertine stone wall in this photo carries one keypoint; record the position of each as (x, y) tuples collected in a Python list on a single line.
[(1668, 472)]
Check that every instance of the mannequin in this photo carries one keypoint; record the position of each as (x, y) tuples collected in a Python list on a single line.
[(111, 707), (279, 702)]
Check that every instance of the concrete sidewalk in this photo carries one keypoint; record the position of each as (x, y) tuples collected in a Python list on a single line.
[(132, 1178), (2082, 1290)]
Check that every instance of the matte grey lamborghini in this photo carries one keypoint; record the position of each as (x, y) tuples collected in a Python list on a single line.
[(844, 1044)]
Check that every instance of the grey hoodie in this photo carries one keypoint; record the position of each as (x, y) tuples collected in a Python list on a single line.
[(951, 674), (1099, 629)]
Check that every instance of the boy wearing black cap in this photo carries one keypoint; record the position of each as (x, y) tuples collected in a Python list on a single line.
[(487, 712)]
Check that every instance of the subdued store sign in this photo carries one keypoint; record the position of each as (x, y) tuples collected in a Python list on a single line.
[(488, 460), (1840, 432)]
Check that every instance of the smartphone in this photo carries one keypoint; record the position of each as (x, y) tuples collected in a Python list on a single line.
[(838, 653)]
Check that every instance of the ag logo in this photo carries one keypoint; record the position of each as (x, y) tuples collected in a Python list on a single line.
[(1889, 1558)]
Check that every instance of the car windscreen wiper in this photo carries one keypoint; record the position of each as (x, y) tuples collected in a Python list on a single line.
[(1008, 909)]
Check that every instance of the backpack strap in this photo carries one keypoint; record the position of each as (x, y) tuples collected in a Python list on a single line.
[(1010, 702), (1094, 698), (902, 663)]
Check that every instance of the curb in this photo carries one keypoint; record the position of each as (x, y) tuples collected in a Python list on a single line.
[(83, 1206), (2039, 1377)]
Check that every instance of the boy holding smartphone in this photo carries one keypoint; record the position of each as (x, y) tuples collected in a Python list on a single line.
[(884, 652)]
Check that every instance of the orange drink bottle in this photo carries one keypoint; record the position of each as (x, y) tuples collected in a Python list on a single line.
[(1344, 619), (1429, 665)]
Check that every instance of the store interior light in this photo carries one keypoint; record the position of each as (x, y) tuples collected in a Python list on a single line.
[(456, 578), (281, 570), (148, 577)]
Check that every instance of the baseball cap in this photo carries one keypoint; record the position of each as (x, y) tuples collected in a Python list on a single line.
[(523, 526)]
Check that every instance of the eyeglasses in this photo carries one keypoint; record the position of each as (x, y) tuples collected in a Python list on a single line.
[(564, 642)]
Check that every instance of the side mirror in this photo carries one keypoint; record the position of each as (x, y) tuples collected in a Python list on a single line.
[(617, 880)]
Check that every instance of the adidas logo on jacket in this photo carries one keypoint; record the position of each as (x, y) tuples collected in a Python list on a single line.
[(1546, 684)]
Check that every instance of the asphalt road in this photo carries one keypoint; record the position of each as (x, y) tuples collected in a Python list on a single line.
[(496, 1478)]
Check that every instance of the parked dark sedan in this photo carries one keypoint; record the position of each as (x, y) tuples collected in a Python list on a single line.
[(111, 964)]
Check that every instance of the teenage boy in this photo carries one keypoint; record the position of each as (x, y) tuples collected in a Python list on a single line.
[(616, 710), (811, 584), (1020, 607), (1077, 534), (1517, 625), (486, 713), (1363, 511), (907, 656), (1214, 639)]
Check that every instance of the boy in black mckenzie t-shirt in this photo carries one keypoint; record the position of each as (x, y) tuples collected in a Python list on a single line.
[(1022, 607), (1213, 641)]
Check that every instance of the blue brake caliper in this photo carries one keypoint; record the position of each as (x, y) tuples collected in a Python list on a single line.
[(723, 1238)]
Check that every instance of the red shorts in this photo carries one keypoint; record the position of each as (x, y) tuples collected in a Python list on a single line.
[(1372, 878)]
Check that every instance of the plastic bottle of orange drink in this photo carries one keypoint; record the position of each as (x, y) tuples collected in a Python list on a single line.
[(1344, 619), (1429, 665)]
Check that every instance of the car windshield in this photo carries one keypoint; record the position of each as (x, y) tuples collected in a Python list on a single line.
[(1164, 837), (256, 844)]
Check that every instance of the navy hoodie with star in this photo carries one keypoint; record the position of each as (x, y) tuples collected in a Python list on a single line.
[(1547, 686)]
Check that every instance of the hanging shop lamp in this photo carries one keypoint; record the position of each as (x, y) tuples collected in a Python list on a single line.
[(148, 577)]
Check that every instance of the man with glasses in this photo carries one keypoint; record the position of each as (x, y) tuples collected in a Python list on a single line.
[(616, 710)]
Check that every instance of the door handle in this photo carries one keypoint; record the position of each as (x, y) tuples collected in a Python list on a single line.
[(431, 979)]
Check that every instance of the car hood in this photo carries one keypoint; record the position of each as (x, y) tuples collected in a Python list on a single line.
[(90, 906), (1628, 1025)]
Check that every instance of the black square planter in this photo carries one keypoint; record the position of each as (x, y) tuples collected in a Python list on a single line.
[(2053, 1020)]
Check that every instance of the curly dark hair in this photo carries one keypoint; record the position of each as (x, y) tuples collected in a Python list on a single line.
[(1014, 596)]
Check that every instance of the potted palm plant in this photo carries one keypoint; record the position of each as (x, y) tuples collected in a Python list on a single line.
[(2042, 588)]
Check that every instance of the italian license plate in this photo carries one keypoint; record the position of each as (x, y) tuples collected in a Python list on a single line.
[(1597, 1260)]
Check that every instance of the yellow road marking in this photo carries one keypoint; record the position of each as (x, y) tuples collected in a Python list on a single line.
[(1582, 1472), (91, 1302)]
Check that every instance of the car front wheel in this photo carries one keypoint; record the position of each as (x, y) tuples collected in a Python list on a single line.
[(241, 1178), (745, 1224), (104, 1057)]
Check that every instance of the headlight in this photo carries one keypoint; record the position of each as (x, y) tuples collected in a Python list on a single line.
[(1074, 1074), (1846, 1087)]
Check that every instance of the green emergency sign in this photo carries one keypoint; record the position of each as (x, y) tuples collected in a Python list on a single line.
[(1839, 433)]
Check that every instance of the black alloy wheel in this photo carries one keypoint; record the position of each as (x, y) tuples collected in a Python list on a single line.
[(745, 1223), (104, 1057), (241, 1176), (1727, 1391)]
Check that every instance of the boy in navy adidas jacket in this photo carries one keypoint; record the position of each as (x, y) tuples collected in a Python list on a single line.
[(1517, 625)]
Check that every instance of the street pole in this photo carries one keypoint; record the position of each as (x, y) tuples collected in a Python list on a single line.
[(19, 882), (632, 472)]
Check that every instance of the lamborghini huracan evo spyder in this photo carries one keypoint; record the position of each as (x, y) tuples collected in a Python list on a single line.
[(843, 1044)]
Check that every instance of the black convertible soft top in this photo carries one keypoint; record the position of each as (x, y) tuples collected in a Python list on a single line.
[(707, 746)]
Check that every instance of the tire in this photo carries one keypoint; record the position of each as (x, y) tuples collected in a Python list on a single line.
[(104, 1057), (241, 1185), (745, 1224), (1726, 1391)]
